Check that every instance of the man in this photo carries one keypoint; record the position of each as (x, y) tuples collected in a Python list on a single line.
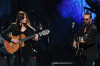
[(88, 44)]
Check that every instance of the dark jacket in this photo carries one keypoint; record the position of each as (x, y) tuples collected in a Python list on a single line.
[(13, 29), (90, 49)]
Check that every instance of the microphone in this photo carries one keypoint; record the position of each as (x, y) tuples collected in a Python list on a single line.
[(73, 25), (19, 23), (41, 26)]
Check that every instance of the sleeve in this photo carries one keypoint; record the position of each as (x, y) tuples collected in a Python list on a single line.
[(5, 33), (91, 38)]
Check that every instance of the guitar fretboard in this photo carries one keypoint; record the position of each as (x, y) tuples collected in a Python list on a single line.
[(43, 33), (29, 37)]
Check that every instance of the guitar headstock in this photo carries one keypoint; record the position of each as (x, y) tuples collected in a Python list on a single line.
[(44, 32)]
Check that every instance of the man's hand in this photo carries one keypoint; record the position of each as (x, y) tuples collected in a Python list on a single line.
[(83, 42), (74, 44)]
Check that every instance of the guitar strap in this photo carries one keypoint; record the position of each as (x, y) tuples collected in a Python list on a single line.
[(28, 26), (31, 27)]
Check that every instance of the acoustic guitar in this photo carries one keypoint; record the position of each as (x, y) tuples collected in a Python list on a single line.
[(12, 47)]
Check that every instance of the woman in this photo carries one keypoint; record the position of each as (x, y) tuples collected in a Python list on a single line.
[(21, 26)]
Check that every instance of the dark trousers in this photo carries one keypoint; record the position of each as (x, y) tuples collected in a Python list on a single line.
[(22, 58), (86, 62), (83, 61)]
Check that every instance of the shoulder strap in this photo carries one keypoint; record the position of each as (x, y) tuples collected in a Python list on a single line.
[(14, 23), (31, 27)]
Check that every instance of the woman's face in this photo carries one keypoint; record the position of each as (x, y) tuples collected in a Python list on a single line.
[(24, 20)]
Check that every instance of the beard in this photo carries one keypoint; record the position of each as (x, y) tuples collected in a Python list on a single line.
[(87, 23)]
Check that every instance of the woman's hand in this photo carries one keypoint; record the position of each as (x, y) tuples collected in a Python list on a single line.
[(15, 41), (36, 37)]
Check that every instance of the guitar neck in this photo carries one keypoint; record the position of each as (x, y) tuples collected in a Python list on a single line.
[(28, 38), (43, 33)]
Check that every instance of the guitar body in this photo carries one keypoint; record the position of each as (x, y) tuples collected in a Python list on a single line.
[(79, 48), (12, 47)]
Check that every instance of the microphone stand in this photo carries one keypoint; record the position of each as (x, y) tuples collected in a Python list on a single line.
[(34, 51), (75, 58), (20, 44)]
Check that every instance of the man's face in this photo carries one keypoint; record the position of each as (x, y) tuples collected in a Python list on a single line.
[(86, 19)]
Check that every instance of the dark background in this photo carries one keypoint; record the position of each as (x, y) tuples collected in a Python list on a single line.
[(58, 16)]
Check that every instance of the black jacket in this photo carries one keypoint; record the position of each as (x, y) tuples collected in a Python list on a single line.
[(13, 29), (90, 49)]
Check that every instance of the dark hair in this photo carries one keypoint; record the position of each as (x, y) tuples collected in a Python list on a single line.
[(88, 14), (20, 16)]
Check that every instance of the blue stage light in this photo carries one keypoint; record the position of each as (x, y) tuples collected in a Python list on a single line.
[(73, 9)]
